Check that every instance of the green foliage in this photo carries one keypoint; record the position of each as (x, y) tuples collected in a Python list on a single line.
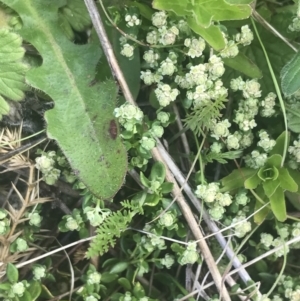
[(221, 157), (82, 115), (273, 178), (112, 228), (290, 76), (12, 72)]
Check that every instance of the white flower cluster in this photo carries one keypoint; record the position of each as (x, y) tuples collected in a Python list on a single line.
[(150, 78), (151, 57), (45, 164), (268, 241), (128, 116), (190, 254), (248, 107), (245, 37), (256, 159), (231, 50), (195, 47), (203, 83), (241, 197), (268, 105), (127, 50), (167, 36), (295, 26), (214, 198), (165, 94), (132, 20), (295, 150), (241, 225), (220, 129), (265, 142)]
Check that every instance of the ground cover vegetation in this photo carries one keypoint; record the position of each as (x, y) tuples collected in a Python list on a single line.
[(149, 150)]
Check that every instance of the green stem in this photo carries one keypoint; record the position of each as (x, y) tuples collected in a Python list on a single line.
[(278, 92)]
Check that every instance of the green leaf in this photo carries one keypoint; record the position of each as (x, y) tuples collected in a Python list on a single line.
[(294, 199), (236, 179), (205, 11), (26, 297), (293, 117), (107, 277), (212, 34), (166, 187), (144, 180), (35, 290), (290, 76), (279, 146), (270, 187), (125, 283), (12, 273), (158, 172), (274, 161), (277, 202), (82, 120), (296, 177), (252, 182), (286, 181), (261, 215), (244, 65), (12, 71), (119, 267)]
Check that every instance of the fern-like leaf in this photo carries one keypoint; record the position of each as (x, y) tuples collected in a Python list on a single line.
[(112, 228), (222, 157), (204, 116)]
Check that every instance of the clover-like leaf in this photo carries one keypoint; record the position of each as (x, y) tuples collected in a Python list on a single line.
[(12, 71)]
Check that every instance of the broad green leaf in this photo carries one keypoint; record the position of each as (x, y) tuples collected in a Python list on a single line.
[(158, 172), (277, 202), (296, 177), (243, 64), (12, 70), (270, 187), (35, 290), (212, 34), (279, 146), (12, 273), (252, 182), (294, 199), (261, 215), (293, 117), (236, 179), (119, 267), (125, 283), (82, 120), (26, 297), (286, 181), (290, 76), (205, 11)]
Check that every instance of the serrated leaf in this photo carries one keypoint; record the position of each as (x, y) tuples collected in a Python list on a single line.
[(82, 120), (243, 64), (12, 71), (278, 207), (290, 76), (205, 11)]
